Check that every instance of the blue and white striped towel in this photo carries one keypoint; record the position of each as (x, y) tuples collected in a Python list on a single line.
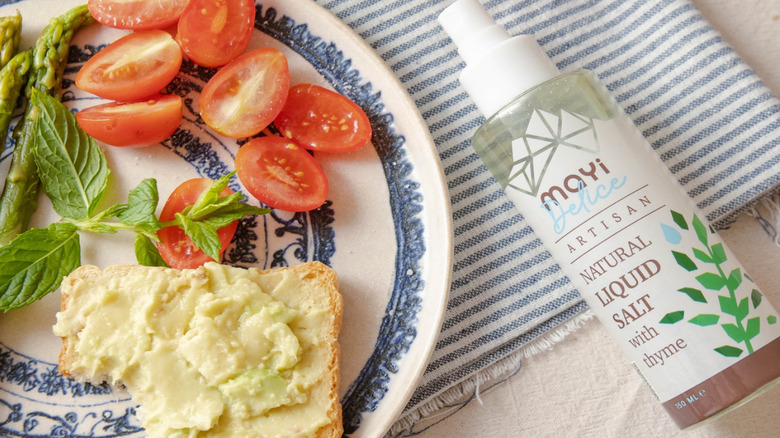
[(706, 113)]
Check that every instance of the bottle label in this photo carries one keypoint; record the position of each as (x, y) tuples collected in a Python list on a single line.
[(637, 248)]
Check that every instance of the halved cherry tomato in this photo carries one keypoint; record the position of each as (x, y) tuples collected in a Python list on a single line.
[(281, 174), (243, 97), (213, 32), (136, 14), (134, 123), (176, 248), (323, 120), (133, 67)]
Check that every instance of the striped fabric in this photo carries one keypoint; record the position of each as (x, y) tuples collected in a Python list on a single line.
[(705, 112)]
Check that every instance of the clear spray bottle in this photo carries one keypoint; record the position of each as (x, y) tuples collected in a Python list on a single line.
[(664, 284)]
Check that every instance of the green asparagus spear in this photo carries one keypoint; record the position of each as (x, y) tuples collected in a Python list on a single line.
[(14, 68), (12, 78), (10, 35), (20, 195), (51, 50)]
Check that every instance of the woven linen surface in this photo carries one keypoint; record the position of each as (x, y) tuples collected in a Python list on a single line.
[(704, 111)]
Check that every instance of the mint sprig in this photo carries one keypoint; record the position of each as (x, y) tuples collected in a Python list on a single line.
[(74, 175)]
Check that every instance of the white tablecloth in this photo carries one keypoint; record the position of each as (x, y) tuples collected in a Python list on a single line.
[(578, 390)]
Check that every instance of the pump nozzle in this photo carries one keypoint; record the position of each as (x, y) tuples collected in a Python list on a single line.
[(498, 67), (472, 29)]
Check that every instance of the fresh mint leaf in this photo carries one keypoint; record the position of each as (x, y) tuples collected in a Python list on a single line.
[(73, 169), (110, 212), (141, 205), (210, 199), (34, 263), (206, 210), (229, 213), (204, 236), (146, 252), (210, 209)]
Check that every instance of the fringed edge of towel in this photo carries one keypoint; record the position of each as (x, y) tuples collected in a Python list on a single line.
[(453, 399), (767, 213)]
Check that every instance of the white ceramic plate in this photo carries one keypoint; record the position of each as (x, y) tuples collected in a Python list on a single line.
[(386, 230)]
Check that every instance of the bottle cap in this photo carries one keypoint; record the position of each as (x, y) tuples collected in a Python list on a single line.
[(499, 67)]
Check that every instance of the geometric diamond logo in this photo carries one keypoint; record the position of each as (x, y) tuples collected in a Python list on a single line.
[(546, 135)]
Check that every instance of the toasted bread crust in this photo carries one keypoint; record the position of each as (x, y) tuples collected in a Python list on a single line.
[(322, 279), (328, 280)]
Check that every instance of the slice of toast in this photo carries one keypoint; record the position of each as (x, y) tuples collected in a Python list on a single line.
[(214, 351)]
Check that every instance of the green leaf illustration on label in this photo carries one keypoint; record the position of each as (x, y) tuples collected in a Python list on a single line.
[(734, 332), (701, 255), (719, 253), (704, 319), (684, 261), (672, 317), (701, 229), (729, 351), (711, 281), (695, 294), (756, 298), (679, 220), (712, 276)]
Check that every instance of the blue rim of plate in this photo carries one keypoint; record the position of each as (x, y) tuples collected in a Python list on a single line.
[(398, 327)]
